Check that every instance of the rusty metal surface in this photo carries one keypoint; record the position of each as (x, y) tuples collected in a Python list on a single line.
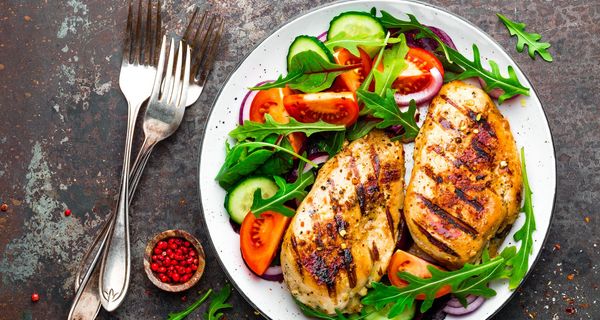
[(62, 126)]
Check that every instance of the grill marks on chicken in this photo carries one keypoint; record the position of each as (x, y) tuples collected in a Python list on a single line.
[(345, 230), (466, 183)]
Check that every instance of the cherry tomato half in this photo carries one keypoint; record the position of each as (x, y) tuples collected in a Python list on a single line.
[(271, 101), (403, 261), (416, 77), (260, 239), (351, 80), (331, 107)]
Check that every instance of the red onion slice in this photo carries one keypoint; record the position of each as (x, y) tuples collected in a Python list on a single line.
[(247, 103), (274, 273), (462, 311), (494, 93), (317, 158), (424, 95), (322, 36), (454, 302)]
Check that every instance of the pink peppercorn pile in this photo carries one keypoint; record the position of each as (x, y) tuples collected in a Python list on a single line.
[(174, 260)]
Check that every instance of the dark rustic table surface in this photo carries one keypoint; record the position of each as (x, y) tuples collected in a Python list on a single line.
[(62, 127)]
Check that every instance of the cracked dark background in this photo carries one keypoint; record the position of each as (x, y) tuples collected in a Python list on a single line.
[(62, 127)]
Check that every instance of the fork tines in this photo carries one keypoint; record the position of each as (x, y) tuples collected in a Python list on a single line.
[(150, 35), (203, 34)]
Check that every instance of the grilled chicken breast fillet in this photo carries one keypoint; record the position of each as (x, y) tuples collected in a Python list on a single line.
[(466, 181), (345, 230)]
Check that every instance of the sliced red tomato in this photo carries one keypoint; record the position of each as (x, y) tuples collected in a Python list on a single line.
[(271, 101), (260, 239), (331, 107), (351, 80), (416, 77), (403, 261)]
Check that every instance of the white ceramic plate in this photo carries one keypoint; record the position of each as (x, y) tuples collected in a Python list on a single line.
[(525, 114)]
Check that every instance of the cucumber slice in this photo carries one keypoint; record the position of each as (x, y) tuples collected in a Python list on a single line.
[(306, 43), (357, 24), (407, 314), (239, 199)]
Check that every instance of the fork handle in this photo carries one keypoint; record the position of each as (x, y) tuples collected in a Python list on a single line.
[(95, 248), (86, 304), (140, 163), (116, 261)]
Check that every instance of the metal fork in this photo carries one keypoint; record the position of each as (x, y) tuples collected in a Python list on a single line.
[(138, 70), (204, 41), (164, 107), (135, 80)]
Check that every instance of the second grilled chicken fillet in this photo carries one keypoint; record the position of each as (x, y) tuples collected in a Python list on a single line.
[(345, 230), (466, 181)]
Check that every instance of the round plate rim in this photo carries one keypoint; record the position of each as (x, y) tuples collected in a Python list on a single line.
[(299, 16)]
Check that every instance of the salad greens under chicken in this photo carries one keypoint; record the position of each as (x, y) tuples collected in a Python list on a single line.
[(368, 71)]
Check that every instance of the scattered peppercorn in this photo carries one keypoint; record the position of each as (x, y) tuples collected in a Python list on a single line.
[(570, 310), (184, 298), (67, 212), (35, 297), (174, 260), (4, 207)]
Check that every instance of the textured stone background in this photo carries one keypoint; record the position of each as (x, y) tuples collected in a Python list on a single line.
[(62, 126)]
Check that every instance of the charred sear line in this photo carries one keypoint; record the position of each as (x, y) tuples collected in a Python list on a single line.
[(340, 223), (348, 263), (375, 162), (480, 151), (374, 252), (359, 187), (442, 246), (444, 215), (485, 125), (360, 194), (390, 220), (472, 202), (296, 254), (389, 173), (429, 172)]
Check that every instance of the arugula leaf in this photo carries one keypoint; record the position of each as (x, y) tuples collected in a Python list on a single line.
[(309, 72), (361, 128), (332, 144), (279, 163), (526, 38), (217, 303), (387, 109), (393, 65), (240, 162), (520, 262), (259, 131), (391, 22), (244, 158), (402, 298), (478, 285), (352, 42), (182, 314), (286, 192), (367, 83), (314, 313), (493, 79)]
